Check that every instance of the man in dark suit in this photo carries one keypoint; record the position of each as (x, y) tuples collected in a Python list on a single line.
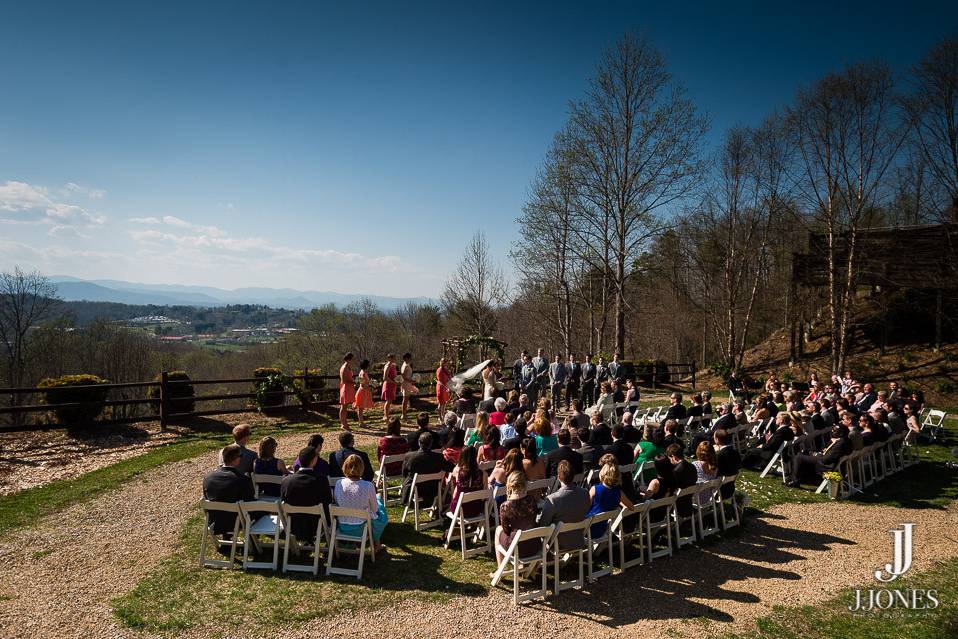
[(632, 434), (557, 380), (590, 454), (530, 381), (868, 398), (601, 433), (671, 434), (424, 462), (569, 503), (616, 370), (580, 418), (619, 448), (346, 449), (758, 457), (588, 381), (727, 419), (685, 476), (808, 468), (517, 371), (488, 406), (676, 410), (422, 426), (728, 461), (563, 453), (601, 374), (227, 484), (573, 379), (306, 487)]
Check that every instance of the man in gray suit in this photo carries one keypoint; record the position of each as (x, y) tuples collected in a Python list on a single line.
[(568, 504), (241, 435)]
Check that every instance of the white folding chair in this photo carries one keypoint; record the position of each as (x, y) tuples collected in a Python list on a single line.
[(210, 508), (266, 524), (382, 479), (364, 540), (434, 509), (487, 466), (561, 554), (690, 493), (260, 478), (655, 526), (635, 515), (707, 506), (546, 485), (467, 421), (933, 423), (736, 518), (595, 545), (775, 462), (525, 565), (302, 546), (459, 523)]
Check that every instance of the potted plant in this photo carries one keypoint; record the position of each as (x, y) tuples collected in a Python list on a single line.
[(834, 480), (270, 387)]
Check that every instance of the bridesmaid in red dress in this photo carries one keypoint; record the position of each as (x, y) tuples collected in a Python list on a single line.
[(364, 395), (389, 385), (442, 386), (347, 391)]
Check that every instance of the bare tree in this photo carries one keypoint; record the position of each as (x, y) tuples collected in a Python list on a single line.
[(475, 291), (933, 107), (637, 139), (847, 133)]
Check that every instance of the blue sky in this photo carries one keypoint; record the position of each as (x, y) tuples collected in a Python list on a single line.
[(352, 147)]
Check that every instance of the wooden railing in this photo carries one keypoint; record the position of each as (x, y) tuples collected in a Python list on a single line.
[(159, 408)]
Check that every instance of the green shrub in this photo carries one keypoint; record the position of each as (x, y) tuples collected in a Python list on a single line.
[(270, 389), (74, 389), (180, 397), (721, 370)]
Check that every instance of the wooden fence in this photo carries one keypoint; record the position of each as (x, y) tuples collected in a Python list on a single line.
[(127, 409)]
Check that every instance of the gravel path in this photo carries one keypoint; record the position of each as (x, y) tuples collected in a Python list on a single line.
[(62, 574)]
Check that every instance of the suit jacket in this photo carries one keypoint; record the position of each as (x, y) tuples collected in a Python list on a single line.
[(306, 487), (247, 458), (552, 459), (616, 371), (725, 422), (780, 436), (865, 403), (632, 435), (424, 462), (676, 412), (685, 476), (601, 373), (557, 373), (694, 411), (624, 454), (581, 420), (567, 504), (227, 484), (728, 463), (835, 453), (413, 438), (574, 371), (337, 458), (590, 456), (601, 435), (512, 442), (540, 367), (588, 373), (488, 405)]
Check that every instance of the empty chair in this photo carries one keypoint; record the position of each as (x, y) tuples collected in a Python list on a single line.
[(684, 515), (706, 508), (725, 499), (932, 424)]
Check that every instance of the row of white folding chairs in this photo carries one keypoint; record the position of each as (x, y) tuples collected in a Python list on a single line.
[(624, 527), (268, 518), (873, 463)]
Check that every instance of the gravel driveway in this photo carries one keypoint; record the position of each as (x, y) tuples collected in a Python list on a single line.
[(60, 576)]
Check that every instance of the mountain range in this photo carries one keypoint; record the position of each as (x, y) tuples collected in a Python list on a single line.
[(75, 289)]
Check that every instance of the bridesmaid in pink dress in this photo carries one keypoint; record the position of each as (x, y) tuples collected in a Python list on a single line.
[(364, 396), (389, 385), (442, 386), (347, 391)]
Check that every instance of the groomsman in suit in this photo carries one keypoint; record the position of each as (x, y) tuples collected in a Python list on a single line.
[(573, 379), (530, 383), (541, 366), (557, 379), (616, 371), (588, 381), (601, 375), (517, 371)]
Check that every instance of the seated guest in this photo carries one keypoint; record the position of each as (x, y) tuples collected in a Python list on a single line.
[(685, 476), (393, 444), (449, 422), (727, 418), (590, 454), (523, 406), (879, 403), (619, 448), (671, 433), (855, 433), (346, 449), (512, 403), (424, 462), (498, 417), (872, 432), (695, 410), (808, 468), (568, 504), (607, 494), (466, 477), (894, 418), (647, 451), (601, 434), (706, 404), (631, 392), (511, 463), (532, 465), (758, 457), (227, 484), (706, 468), (492, 449), (605, 402), (454, 446), (581, 418), (478, 434), (563, 453), (520, 433), (422, 426), (267, 463), (508, 430), (241, 435), (864, 403), (676, 410), (306, 487), (315, 442), (517, 513), (662, 486), (545, 440), (466, 404), (632, 435), (352, 491), (727, 460)]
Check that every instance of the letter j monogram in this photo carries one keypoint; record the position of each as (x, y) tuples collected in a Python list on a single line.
[(902, 559)]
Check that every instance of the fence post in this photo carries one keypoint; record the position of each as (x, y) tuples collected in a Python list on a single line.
[(306, 389), (693, 376), (164, 390)]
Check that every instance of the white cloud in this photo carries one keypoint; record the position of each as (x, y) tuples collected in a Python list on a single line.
[(28, 204), (66, 231), (74, 188), (145, 220), (172, 220)]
